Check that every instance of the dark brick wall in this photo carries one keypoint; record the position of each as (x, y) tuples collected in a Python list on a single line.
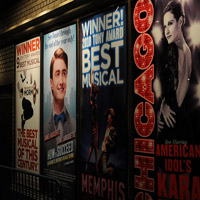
[(7, 59), (26, 10)]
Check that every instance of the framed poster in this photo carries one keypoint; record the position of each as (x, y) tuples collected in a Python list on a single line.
[(103, 136), (166, 87), (28, 105), (59, 107)]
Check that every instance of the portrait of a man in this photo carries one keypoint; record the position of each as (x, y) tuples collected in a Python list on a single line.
[(60, 126), (60, 119)]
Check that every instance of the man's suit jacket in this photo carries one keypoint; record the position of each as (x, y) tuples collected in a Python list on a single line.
[(69, 127)]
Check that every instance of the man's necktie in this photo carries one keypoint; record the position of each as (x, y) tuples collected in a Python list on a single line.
[(60, 117)]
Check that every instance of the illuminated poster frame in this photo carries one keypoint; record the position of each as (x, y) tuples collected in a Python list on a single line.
[(103, 110), (166, 99), (59, 97), (28, 105)]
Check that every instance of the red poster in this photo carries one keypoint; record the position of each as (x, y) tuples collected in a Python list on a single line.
[(166, 54)]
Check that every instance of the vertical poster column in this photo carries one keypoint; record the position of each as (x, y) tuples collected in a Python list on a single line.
[(60, 107), (28, 105), (143, 101), (166, 34), (177, 98), (103, 136)]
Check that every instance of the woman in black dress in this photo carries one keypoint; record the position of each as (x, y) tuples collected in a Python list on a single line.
[(173, 122)]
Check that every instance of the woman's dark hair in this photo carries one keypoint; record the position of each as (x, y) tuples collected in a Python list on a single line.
[(176, 8)]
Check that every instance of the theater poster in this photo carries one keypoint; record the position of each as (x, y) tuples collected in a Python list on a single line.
[(103, 136), (59, 107), (166, 54), (28, 105)]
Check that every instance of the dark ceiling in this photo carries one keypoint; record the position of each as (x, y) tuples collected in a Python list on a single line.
[(5, 5)]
